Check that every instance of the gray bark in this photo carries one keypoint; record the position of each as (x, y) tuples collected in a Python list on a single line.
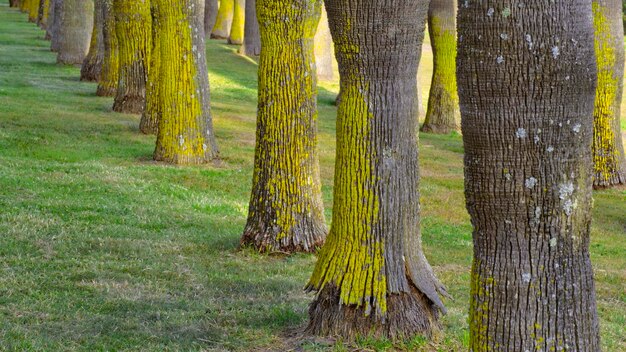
[(252, 38), (74, 31), (210, 14), (527, 87), (92, 65), (324, 55)]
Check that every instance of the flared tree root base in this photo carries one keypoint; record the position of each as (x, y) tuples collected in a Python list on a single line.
[(407, 315), (437, 129), (616, 179), (106, 92), (186, 159), (298, 242), (129, 105), (90, 73)]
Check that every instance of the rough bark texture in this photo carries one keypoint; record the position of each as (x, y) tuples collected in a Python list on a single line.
[(149, 123), (237, 27), (324, 55), (372, 277), (92, 65), (74, 31), (210, 16), (42, 15), (109, 75), (252, 38), (443, 102), (527, 84), (224, 20), (51, 20), (134, 36), (608, 148), (185, 128), (286, 212)]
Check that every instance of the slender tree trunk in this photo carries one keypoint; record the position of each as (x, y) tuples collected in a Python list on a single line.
[(443, 102), (224, 20), (149, 123), (43, 13), (237, 27), (608, 148), (92, 65), (50, 21), (109, 75), (185, 128), (210, 16), (371, 276), (324, 55), (527, 93), (134, 36), (286, 211), (252, 37), (74, 31), (55, 25)]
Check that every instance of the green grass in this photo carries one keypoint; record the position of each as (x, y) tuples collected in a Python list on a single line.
[(102, 249)]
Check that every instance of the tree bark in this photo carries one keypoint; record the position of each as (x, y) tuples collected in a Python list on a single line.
[(149, 123), (74, 31), (608, 148), (109, 75), (31, 7), (92, 65), (50, 22), (286, 212), (224, 20), (527, 93), (185, 128), (55, 24), (237, 26), (210, 16), (252, 37), (134, 36), (443, 102), (15, 3), (43, 13), (324, 55), (371, 276)]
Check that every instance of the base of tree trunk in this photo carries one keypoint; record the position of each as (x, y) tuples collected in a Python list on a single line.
[(300, 242), (106, 92), (616, 179), (407, 315), (129, 105), (218, 36), (437, 129), (90, 73), (185, 159), (147, 126)]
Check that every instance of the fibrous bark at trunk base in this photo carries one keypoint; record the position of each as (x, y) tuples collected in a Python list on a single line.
[(210, 16), (185, 128), (74, 31), (149, 123), (252, 38), (109, 75), (527, 85), (608, 148), (372, 269), (286, 212), (324, 55), (92, 65), (443, 102), (224, 20), (134, 36), (237, 27)]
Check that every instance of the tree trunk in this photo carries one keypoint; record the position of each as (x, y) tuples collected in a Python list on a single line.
[(50, 21), (224, 20), (286, 212), (210, 16), (92, 65), (371, 276), (31, 7), (608, 148), (43, 12), (55, 24), (324, 56), (109, 75), (149, 123), (527, 94), (134, 35), (237, 27), (252, 37), (74, 31), (443, 102), (185, 129), (15, 3)]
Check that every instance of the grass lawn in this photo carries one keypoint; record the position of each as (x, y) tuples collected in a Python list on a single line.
[(102, 249)]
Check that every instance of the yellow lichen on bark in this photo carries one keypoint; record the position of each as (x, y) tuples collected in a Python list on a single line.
[(31, 7), (224, 19), (149, 123), (237, 26), (109, 76), (185, 134)]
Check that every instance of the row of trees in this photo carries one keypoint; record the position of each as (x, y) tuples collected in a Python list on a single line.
[(539, 89)]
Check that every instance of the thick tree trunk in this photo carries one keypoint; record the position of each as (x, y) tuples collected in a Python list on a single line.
[(43, 13), (50, 22), (74, 31), (210, 16), (527, 93), (252, 37), (237, 27), (185, 128), (92, 65), (224, 20), (443, 102), (286, 211), (324, 55), (55, 24), (149, 123), (608, 148), (134, 36), (372, 277), (109, 75), (31, 7)]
